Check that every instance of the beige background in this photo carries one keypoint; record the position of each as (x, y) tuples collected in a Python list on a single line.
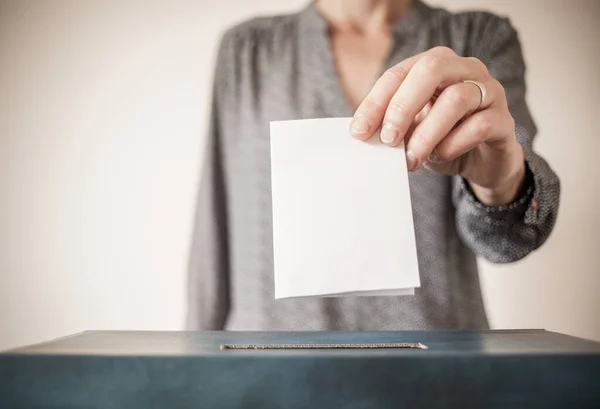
[(102, 114)]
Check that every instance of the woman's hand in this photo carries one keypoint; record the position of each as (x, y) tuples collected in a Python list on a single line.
[(447, 125)]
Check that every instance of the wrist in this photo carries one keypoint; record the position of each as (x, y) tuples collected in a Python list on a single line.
[(507, 190)]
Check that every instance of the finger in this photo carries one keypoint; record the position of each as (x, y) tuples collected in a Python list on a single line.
[(367, 118), (369, 113), (418, 119), (453, 104), (483, 126), (428, 75)]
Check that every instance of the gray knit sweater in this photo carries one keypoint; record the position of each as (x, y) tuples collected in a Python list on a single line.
[(281, 68)]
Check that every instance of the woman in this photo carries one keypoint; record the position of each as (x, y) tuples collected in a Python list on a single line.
[(451, 86)]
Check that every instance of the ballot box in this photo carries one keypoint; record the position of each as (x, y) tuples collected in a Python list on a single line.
[(423, 369)]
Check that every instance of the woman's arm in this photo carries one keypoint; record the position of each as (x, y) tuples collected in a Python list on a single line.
[(208, 270), (466, 117), (508, 233)]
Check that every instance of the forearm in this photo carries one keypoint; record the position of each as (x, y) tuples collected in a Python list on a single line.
[(508, 190)]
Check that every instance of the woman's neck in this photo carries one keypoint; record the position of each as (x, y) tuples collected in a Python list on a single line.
[(362, 15)]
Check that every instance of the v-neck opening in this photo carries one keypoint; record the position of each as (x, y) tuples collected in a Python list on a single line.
[(334, 66), (316, 23)]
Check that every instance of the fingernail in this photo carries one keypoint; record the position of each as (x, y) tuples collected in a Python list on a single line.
[(411, 161), (360, 126), (434, 157), (388, 133)]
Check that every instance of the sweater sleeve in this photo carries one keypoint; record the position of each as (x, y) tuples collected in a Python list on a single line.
[(508, 233), (208, 270)]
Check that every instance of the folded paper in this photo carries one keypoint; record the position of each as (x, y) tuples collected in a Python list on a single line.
[(342, 216)]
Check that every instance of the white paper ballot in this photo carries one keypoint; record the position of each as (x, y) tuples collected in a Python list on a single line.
[(342, 217)]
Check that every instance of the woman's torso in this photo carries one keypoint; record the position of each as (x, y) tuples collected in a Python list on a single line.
[(282, 68)]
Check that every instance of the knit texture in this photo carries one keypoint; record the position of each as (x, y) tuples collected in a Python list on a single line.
[(282, 68)]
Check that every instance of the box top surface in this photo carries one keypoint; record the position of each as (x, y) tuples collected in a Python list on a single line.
[(172, 343)]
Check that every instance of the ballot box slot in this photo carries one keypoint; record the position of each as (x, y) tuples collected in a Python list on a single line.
[(417, 345)]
